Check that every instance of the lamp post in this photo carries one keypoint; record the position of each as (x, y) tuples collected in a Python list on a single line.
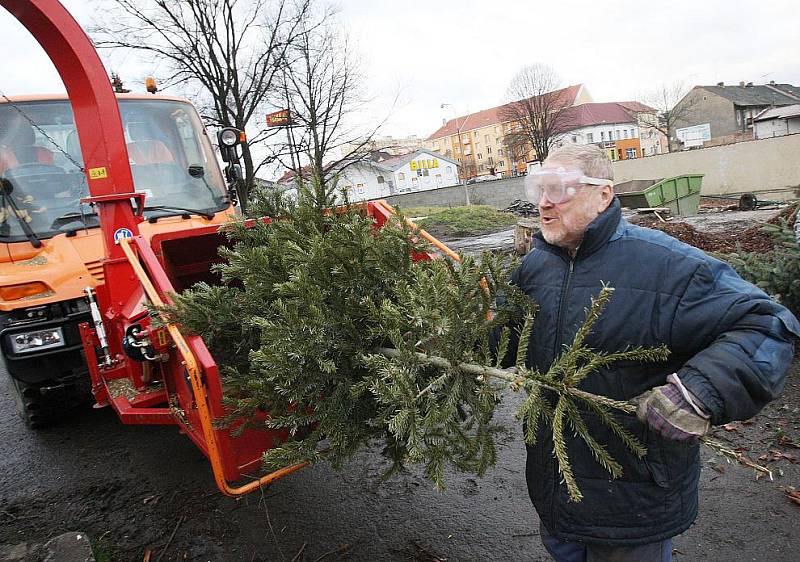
[(461, 151)]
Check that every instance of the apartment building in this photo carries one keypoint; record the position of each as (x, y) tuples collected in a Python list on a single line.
[(475, 141)]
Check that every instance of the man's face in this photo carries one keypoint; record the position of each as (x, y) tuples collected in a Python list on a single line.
[(563, 224)]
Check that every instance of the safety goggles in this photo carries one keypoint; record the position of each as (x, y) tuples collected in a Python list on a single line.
[(558, 185)]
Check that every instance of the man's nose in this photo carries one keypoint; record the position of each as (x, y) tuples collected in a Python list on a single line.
[(544, 201)]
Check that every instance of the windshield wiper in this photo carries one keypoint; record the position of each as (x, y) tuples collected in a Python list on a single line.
[(26, 228), (67, 218), (182, 211)]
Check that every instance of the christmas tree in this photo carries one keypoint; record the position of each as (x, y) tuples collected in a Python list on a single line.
[(330, 326)]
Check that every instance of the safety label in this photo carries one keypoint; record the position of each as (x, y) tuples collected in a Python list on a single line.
[(121, 233)]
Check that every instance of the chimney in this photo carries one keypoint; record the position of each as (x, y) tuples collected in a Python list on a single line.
[(721, 84), (748, 85), (772, 82)]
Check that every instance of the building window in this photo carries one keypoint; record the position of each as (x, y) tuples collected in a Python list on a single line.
[(491, 161), (625, 133), (589, 138), (401, 177), (630, 153), (574, 138), (486, 139), (633, 133), (480, 156), (602, 135), (611, 135), (425, 172), (380, 179), (501, 164), (488, 150), (501, 152), (448, 170), (436, 145), (480, 168)]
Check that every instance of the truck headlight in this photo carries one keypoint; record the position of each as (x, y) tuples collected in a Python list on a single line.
[(27, 342)]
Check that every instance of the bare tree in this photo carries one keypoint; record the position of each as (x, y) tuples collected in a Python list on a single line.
[(232, 49), (323, 85), (536, 111), (668, 100)]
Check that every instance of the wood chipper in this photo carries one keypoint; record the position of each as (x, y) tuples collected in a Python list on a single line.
[(110, 203)]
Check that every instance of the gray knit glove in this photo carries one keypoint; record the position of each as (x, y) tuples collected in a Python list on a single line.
[(672, 411)]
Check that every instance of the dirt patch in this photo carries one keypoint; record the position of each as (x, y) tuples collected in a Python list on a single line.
[(750, 239)]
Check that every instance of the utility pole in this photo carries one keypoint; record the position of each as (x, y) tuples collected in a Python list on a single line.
[(461, 151)]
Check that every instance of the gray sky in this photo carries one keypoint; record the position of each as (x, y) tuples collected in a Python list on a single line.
[(464, 52)]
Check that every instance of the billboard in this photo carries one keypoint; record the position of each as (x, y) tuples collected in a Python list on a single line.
[(695, 135), (282, 118)]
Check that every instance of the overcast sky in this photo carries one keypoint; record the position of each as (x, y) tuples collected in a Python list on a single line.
[(464, 52)]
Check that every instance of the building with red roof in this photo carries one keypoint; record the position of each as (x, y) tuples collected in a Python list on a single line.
[(618, 127), (476, 140)]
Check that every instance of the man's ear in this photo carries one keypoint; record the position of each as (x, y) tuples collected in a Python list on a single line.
[(606, 197)]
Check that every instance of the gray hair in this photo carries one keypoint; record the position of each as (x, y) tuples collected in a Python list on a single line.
[(592, 160)]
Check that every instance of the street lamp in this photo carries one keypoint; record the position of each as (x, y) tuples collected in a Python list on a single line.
[(461, 150)]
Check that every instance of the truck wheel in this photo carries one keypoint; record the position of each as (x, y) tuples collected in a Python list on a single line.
[(45, 403), (29, 402)]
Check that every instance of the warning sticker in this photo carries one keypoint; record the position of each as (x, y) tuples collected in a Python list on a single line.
[(98, 173)]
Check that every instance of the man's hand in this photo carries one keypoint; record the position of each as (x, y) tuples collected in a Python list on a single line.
[(672, 411)]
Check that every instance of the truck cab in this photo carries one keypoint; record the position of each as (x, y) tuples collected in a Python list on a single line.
[(51, 245)]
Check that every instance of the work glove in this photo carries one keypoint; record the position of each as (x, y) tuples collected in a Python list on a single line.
[(672, 411)]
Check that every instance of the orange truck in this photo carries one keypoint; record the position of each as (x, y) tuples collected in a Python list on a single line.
[(51, 247)]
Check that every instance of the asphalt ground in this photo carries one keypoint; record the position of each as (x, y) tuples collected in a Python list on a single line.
[(139, 488)]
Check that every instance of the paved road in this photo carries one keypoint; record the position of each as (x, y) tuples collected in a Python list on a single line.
[(135, 486), (137, 483)]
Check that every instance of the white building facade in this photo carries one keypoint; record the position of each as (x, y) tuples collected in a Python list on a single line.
[(418, 171), (778, 121), (422, 170), (606, 132)]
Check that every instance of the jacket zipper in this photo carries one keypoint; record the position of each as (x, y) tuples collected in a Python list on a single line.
[(561, 306), (557, 349)]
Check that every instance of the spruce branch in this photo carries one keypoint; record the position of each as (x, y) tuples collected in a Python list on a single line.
[(560, 451)]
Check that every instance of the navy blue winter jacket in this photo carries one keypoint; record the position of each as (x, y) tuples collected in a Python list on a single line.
[(730, 344)]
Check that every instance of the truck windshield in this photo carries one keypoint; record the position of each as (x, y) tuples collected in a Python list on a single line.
[(41, 182)]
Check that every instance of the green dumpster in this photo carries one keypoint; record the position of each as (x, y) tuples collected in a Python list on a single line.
[(680, 194)]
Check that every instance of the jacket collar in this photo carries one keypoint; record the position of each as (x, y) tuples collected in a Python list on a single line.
[(600, 231)]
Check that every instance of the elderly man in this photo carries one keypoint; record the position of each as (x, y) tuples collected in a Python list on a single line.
[(730, 344)]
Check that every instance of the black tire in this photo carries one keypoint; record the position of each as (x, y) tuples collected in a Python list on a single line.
[(29, 403), (41, 405), (748, 202)]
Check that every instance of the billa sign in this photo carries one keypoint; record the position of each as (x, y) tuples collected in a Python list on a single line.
[(424, 164), (280, 118)]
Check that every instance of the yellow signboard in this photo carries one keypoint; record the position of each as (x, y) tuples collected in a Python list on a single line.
[(425, 164)]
